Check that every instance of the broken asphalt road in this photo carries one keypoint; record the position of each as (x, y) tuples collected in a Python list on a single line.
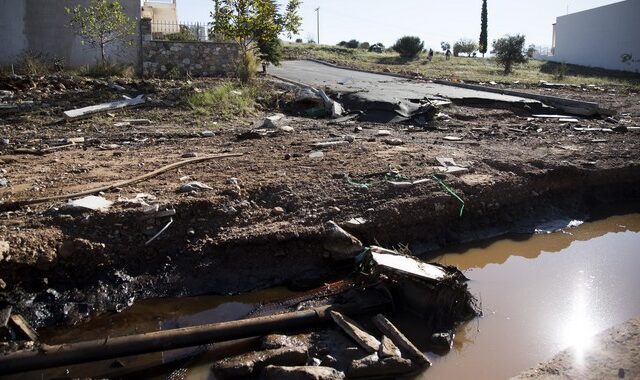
[(373, 87)]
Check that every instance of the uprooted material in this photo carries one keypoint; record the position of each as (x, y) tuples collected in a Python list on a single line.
[(387, 109)]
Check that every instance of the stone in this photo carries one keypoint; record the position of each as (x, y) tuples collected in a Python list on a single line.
[(316, 154), (277, 211), (194, 186), (340, 243), (273, 121), (4, 249), (367, 341), (253, 362), (383, 132), (286, 129), (387, 349), (207, 134), (4, 182), (394, 142), (301, 373), (372, 365)]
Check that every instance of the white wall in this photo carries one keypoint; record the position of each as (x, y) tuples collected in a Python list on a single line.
[(41, 26), (598, 37)]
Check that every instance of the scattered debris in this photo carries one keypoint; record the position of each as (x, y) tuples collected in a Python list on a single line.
[(87, 111), (91, 202), (194, 186), (397, 337)]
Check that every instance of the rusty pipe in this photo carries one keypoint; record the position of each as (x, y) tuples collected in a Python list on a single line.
[(67, 354)]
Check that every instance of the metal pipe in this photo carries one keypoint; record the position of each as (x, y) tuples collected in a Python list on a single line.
[(101, 349)]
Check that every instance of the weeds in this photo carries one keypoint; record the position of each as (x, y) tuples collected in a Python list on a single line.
[(37, 64), (107, 70), (227, 100)]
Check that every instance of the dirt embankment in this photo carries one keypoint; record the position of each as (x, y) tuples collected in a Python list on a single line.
[(261, 223)]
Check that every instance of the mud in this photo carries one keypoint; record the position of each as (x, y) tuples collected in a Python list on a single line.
[(261, 225)]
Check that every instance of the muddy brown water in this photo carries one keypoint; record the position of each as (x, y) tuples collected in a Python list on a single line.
[(540, 294)]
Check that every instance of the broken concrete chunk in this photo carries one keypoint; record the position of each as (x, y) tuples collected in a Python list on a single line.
[(273, 121), (388, 349), (194, 186), (254, 362), (372, 365), (389, 330), (301, 373), (340, 243), (86, 111), (91, 202), (351, 328)]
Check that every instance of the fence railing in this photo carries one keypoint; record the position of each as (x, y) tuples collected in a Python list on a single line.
[(181, 31)]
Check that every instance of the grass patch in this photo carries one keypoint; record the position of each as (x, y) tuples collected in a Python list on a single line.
[(107, 70), (461, 68), (228, 100)]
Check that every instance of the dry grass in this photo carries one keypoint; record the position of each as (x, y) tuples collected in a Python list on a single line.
[(461, 68)]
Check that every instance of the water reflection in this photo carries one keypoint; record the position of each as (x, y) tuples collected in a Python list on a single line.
[(542, 294)]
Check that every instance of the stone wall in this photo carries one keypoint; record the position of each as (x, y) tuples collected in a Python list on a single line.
[(171, 58)]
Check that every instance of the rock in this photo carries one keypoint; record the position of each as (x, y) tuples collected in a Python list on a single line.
[(207, 134), (274, 341), (194, 186), (4, 249), (394, 142), (383, 132), (301, 373), (340, 243), (286, 129), (90, 202), (189, 155), (372, 365), (273, 121), (388, 349), (4, 182), (317, 154), (277, 211), (254, 362)]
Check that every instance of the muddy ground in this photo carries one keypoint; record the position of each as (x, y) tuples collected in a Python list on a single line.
[(262, 222)]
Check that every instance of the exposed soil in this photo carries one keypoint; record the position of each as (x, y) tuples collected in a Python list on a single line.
[(234, 238)]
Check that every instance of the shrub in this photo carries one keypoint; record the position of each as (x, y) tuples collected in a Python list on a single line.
[(364, 46), (465, 46), (509, 50), (352, 44), (299, 40), (34, 64), (409, 47), (185, 34), (560, 71), (247, 67), (226, 100)]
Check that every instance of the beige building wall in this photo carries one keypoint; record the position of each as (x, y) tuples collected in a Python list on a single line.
[(163, 15)]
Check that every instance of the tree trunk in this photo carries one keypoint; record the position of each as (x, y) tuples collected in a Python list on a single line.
[(102, 53)]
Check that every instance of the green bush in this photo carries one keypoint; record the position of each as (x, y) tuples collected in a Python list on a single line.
[(352, 44), (508, 51), (409, 47), (226, 100)]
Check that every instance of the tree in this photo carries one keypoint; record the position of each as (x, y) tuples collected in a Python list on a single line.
[(377, 48), (483, 44), (364, 46), (101, 23), (353, 44), (531, 50), (464, 46), (252, 25), (445, 46), (409, 47), (509, 50)]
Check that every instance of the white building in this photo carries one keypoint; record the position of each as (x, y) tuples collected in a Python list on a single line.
[(606, 37)]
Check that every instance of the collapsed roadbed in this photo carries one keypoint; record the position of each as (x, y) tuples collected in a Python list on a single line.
[(259, 216)]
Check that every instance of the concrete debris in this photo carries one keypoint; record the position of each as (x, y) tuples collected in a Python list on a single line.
[(552, 116), (388, 349), (391, 331), (87, 111), (372, 365), (286, 128), (365, 340), (383, 132), (316, 154), (390, 260), (273, 121), (301, 373), (254, 362), (448, 165), (394, 142), (91, 202), (340, 243), (194, 186)]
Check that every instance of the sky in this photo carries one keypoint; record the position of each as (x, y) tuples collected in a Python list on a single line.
[(432, 20)]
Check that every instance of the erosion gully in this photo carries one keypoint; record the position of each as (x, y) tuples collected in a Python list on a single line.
[(539, 293)]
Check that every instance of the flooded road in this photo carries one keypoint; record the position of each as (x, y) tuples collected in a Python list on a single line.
[(542, 294)]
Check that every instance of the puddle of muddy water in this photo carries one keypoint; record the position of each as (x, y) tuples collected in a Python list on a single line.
[(542, 294)]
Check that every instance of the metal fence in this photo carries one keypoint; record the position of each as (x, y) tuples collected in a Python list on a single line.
[(180, 31)]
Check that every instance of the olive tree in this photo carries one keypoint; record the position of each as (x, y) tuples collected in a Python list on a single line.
[(465, 46), (254, 25), (101, 23), (508, 51)]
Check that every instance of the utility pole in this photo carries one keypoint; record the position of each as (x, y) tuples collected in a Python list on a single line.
[(318, 22)]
